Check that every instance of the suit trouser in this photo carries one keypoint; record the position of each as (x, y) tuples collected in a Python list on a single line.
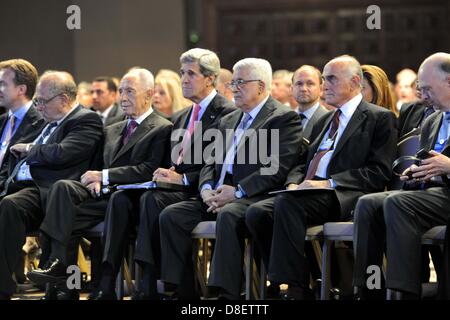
[(408, 215), (177, 222), (292, 214), (148, 245), (20, 213), (71, 210), (369, 234)]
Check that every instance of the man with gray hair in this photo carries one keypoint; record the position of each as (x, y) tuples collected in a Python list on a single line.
[(234, 181), (281, 86), (133, 150), (337, 176), (64, 149), (400, 218)]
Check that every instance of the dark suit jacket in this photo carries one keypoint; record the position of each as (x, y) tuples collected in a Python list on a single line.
[(30, 127), (69, 151), (115, 115), (143, 154), (272, 116), (361, 162), (410, 117), (217, 108), (308, 129)]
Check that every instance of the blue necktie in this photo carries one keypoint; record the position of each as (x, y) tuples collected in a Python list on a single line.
[(47, 131)]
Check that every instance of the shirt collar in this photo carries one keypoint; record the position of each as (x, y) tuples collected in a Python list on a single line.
[(67, 114), (20, 113), (106, 112), (350, 106), (309, 112), (143, 116), (206, 101), (258, 108)]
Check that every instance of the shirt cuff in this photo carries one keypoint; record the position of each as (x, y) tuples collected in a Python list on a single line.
[(332, 183), (185, 180), (242, 190), (105, 177), (206, 186)]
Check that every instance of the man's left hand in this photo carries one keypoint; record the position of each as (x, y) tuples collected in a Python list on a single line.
[(225, 194), (168, 175), (90, 177)]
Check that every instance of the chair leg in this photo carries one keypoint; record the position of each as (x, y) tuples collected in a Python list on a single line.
[(326, 282), (248, 270), (262, 281)]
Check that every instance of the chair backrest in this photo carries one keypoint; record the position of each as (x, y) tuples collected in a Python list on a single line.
[(406, 147)]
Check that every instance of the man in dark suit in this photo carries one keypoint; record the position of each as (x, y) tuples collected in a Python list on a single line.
[(63, 150), (199, 71), (412, 116), (22, 122), (356, 126), (306, 90), (236, 178), (134, 149), (104, 94), (409, 213)]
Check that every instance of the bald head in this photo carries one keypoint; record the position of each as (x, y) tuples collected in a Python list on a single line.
[(434, 80), (342, 80)]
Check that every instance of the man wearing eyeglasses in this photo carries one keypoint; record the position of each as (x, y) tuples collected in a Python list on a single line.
[(22, 122), (64, 149), (232, 182)]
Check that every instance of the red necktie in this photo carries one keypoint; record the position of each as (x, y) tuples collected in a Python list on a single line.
[(130, 129), (314, 163), (189, 132)]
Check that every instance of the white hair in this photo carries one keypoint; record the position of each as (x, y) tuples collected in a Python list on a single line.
[(144, 76), (259, 69), (207, 60)]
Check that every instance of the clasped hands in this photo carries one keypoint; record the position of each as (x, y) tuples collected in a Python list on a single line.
[(216, 199), (308, 184), (168, 175), (92, 180)]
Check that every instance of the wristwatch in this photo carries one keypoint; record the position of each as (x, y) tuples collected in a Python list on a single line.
[(238, 193)]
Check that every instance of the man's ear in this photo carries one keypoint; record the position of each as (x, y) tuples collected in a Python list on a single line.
[(22, 89), (262, 87)]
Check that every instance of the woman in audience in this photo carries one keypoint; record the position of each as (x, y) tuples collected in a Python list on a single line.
[(168, 97), (376, 88)]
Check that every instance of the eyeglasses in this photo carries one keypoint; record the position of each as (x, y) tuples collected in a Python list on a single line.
[(239, 83), (37, 102)]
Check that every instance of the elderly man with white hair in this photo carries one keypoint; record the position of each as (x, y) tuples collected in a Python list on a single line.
[(133, 150), (233, 182)]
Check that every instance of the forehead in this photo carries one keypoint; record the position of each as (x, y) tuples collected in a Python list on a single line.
[(306, 74), (334, 68), (193, 66), (241, 73), (99, 84), (128, 82), (6, 74)]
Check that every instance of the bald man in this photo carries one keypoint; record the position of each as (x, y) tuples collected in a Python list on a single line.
[(333, 169), (408, 214), (306, 90), (65, 149)]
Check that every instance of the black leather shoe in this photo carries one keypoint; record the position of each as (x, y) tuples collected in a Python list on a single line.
[(139, 295), (50, 293), (273, 292), (55, 273), (4, 297), (103, 295), (67, 295)]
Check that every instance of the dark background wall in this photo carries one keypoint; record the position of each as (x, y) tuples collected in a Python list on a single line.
[(118, 34), (115, 35)]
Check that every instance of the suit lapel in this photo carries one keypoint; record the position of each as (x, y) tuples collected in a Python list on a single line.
[(53, 137), (140, 131), (434, 132), (355, 122), (115, 138)]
